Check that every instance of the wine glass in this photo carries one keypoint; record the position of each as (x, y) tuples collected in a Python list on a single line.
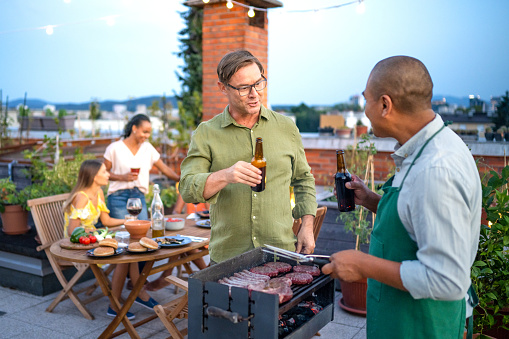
[(134, 206)]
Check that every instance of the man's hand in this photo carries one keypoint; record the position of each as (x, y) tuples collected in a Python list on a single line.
[(241, 172), (345, 265), (363, 195), (244, 173), (305, 237)]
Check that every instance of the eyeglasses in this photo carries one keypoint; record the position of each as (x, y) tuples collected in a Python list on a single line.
[(245, 90)]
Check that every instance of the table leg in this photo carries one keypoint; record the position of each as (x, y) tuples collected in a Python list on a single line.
[(121, 310)]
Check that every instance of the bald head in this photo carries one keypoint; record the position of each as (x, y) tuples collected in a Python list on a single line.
[(405, 80)]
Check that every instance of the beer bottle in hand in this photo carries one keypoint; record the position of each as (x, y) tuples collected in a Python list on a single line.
[(344, 195), (260, 163)]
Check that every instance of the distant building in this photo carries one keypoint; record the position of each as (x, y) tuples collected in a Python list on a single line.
[(476, 103), (357, 100), (494, 102), (471, 122)]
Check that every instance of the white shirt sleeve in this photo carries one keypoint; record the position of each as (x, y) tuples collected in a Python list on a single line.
[(438, 215)]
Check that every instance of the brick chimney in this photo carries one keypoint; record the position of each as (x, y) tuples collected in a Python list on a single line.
[(225, 30)]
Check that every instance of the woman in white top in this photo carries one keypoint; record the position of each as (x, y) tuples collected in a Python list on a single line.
[(133, 151)]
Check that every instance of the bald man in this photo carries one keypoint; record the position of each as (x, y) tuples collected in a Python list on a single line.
[(427, 225)]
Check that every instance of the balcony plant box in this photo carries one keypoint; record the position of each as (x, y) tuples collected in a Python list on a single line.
[(47, 123)]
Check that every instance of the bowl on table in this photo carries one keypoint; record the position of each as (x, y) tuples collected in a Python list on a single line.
[(174, 224), (137, 228)]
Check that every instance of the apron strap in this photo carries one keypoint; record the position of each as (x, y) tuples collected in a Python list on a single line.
[(473, 300), (419, 154)]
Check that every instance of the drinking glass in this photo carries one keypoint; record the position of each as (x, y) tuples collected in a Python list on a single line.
[(134, 206)]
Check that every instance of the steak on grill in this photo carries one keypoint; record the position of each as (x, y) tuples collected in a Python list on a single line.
[(299, 278), (261, 283), (265, 270), (281, 267), (313, 270)]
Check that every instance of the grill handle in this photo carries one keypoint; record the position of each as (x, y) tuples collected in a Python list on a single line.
[(217, 312)]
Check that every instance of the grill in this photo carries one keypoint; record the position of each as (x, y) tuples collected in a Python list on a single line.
[(241, 315)]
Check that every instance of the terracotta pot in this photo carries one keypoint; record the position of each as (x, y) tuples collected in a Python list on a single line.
[(15, 220), (354, 296), (344, 133), (360, 130)]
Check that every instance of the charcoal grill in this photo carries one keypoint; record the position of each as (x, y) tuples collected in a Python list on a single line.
[(252, 316)]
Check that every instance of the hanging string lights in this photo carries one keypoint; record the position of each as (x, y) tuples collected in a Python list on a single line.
[(110, 20), (361, 8)]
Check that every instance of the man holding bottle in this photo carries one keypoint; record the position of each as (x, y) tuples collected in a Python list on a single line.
[(425, 237), (218, 168)]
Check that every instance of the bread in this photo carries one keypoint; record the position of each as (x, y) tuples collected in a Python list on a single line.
[(149, 243), (136, 247), (109, 243), (103, 251)]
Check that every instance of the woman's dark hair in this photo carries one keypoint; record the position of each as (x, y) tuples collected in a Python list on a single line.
[(137, 120)]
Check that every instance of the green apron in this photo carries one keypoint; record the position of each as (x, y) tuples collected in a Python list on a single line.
[(393, 313)]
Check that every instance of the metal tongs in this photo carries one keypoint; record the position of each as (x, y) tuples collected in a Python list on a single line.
[(300, 258)]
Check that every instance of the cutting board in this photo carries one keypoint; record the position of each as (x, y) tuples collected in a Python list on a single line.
[(68, 245)]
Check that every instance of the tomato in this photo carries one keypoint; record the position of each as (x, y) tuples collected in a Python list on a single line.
[(84, 240), (173, 220), (92, 238)]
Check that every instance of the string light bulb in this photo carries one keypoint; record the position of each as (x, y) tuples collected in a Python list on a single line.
[(49, 29), (206, 1), (251, 12), (361, 8), (229, 4)]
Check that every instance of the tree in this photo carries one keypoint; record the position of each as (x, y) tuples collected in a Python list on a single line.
[(307, 118), (95, 113), (189, 101), (502, 112)]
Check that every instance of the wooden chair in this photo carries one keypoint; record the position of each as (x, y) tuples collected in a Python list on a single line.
[(317, 225), (49, 222), (174, 309)]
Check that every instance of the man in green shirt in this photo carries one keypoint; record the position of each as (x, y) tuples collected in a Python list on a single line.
[(218, 168)]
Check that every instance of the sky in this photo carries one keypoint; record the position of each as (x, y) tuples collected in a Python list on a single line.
[(320, 57)]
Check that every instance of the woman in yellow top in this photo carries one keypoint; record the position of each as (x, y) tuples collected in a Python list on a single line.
[(84, 207)]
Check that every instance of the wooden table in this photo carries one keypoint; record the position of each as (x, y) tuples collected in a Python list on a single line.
[(79, 256)]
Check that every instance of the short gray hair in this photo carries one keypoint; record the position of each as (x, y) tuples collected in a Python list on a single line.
[(233, 61)]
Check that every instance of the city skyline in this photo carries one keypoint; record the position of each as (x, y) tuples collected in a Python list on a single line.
[(122, 48)]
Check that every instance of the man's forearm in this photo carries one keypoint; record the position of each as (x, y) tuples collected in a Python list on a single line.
[(372, 202), (215, 182)]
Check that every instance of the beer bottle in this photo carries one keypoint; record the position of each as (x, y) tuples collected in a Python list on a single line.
[(260, 163), (344, 195)]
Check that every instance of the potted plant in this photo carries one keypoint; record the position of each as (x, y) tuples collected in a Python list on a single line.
[(500, 133), (360, 128), (344, 132), (490, 271), (13, 207), (354, 293), (169, 197), (360, 159), (488, 134)]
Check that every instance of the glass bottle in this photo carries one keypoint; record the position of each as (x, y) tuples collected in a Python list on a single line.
[(344, 195), (260, 163), (157, 211)]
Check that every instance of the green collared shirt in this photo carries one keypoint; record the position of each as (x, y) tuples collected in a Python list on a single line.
[(242, 219)]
